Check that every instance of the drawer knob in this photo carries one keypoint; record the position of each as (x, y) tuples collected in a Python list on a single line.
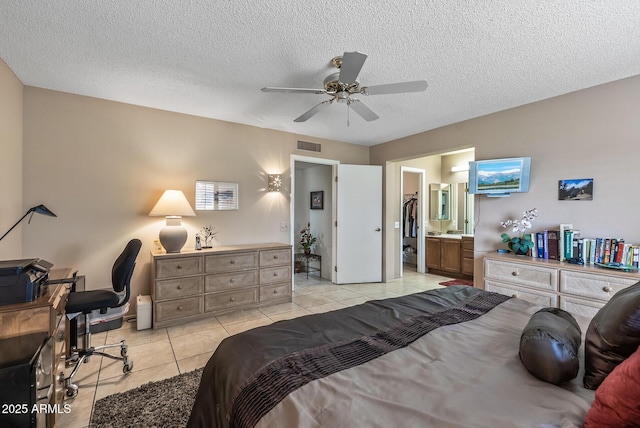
[(275, 257), (180, 307), (514, 295), (275, 274), (606, 289), (232, 262), (515, 273), (179, 267), (275, 291), (233, 299), (231, 280), (179, 287)]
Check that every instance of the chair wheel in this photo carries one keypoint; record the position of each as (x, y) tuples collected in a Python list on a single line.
[(127, 367), (72, 390), (123, 350)]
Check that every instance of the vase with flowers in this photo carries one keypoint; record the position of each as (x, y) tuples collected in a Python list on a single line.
[(521, 243), (307, 239)]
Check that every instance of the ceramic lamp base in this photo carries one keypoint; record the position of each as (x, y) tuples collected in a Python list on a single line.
[(173, 238)]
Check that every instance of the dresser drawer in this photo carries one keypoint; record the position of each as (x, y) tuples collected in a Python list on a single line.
[(177, 288), (231, 262), (230, 299), (178, 308), (587, 308), (593, 285), (275, 274), (274, 292), (182, 266), (229, 281), (280, 256), (536, 297), (539, 277)]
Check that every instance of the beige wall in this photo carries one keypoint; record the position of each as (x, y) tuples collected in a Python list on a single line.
[(11, 208), (102, 165), (593, 133)]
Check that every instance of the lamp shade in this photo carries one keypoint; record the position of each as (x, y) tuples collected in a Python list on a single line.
[(172, 203)]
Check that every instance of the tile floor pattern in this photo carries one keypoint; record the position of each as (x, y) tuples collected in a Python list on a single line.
[(166, 352)]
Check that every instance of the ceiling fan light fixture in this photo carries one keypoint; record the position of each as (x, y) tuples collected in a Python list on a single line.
[(342, 85), (342, 97)]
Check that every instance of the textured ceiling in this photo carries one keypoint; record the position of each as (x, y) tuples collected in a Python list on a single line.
[(210, 58)]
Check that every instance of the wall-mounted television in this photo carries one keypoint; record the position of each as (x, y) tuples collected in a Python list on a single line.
[(499, 177)]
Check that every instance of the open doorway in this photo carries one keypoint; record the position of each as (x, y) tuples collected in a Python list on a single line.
[(447, 206), (313, 205), (412, 219)]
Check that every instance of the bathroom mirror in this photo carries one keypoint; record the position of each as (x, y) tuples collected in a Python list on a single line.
[(439, 201)]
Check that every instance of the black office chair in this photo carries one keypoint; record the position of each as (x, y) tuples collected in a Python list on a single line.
[(88, 301)]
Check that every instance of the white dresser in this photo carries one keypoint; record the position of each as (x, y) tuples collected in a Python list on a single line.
[(581, 290), (192, 285)]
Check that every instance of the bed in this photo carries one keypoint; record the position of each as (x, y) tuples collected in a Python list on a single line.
[(440, 358)]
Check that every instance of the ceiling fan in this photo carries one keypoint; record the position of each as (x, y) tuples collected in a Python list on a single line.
[(342, 86)]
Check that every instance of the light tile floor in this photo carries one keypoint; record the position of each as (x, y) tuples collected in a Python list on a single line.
[(166, 352)]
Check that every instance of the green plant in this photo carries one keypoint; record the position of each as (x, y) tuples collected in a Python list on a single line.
[(306, 238), (519, 244)]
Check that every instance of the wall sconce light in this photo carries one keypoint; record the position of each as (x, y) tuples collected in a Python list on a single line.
[(275, 182), (173, 205)]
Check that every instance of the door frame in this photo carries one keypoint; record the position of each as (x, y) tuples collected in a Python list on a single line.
[(292, 238), (420, 250)]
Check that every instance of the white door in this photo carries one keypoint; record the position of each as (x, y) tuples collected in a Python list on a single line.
[(359, 224)]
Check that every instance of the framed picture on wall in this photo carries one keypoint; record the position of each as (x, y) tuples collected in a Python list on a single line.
[(317, 200), (580, 189)]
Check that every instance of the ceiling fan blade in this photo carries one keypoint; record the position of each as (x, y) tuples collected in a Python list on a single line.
[(396, 88), (294, 90), (365, 112), (352, 63), (304, 117)]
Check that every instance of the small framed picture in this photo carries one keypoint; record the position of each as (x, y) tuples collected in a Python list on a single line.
[(317, 200), (580, 189)]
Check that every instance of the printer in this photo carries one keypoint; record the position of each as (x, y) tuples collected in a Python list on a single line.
[(23, 280)]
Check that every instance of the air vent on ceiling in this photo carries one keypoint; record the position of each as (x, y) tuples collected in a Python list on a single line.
[(312, 147)]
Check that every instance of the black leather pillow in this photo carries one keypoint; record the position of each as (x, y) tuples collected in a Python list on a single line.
[(549, 345), (612, 336)]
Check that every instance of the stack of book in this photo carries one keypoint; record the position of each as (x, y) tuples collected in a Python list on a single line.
[(566, 243)]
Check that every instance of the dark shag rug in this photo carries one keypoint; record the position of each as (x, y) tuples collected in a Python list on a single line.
[(458, 282), (166, 403)]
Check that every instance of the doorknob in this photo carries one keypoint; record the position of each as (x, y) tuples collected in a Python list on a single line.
[(378, 229)]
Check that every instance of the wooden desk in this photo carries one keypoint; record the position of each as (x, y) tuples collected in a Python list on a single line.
[(42, 316)]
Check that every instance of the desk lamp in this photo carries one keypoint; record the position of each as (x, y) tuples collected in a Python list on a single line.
[(173, 205), (40, 209)]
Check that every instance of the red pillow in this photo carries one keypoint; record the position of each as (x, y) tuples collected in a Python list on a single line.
[(617, 401)]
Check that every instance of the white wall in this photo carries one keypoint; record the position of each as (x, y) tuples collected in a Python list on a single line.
[(11, 207), (592, 133), (102, 165)]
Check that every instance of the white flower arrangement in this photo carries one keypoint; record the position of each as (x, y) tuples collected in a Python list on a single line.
[(519, 244)]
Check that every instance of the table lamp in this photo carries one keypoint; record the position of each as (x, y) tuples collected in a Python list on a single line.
[(40, 209), (173, 205)]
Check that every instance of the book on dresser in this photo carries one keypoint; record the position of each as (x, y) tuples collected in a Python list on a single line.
[(568, 243)]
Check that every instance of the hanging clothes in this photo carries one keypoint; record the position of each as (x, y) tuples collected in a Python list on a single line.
[(409, 217)]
